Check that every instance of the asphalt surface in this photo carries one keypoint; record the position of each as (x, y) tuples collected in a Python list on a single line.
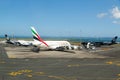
[(60, 68)]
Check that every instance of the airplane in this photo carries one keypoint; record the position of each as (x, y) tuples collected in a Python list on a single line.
[(49, 45), (99, 44), (38, 43), (18, 42)]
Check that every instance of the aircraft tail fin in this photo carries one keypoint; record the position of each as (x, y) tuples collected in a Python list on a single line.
[(7, 37), (113, 41), (36, 36)]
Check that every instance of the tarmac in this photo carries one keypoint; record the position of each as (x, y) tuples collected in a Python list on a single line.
[(19, 63), (25, 52)]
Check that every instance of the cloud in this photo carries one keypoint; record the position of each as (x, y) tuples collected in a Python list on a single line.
[(101, 15), (115, 13), (116, 22)]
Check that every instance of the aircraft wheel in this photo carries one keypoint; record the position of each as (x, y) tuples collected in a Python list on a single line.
[(36, 49)]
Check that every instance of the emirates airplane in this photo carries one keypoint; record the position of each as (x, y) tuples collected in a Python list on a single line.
[(53, 45)]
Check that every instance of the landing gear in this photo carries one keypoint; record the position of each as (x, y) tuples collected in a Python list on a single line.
[(36, 49)]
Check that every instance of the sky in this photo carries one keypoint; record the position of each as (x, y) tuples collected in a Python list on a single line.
[(73, 18)]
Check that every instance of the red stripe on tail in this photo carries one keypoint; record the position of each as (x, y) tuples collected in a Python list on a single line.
[(41, 40)]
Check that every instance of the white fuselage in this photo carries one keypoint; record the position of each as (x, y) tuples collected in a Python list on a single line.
[(23, 42), (52, 44)]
